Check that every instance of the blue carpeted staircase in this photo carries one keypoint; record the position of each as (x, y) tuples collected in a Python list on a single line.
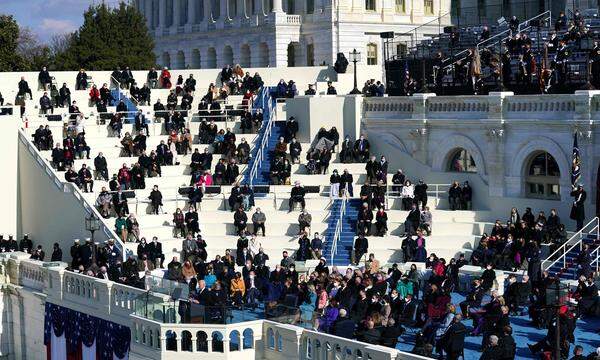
[(344, 246), (570, 271), (131, 108), (262, 177)]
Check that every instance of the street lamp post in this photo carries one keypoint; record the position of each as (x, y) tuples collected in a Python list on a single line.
[(92, 224), (556, 295), (355, 58)]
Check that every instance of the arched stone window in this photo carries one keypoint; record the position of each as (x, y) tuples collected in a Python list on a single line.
[(166, 59), (460, 160), (245, 56), (211, 58), (234, 341), (201, 341), (217, 342), (542, 176), (228, 55), (263, 55), (171, 340), (248, 339), (196, 59), (186, 341)]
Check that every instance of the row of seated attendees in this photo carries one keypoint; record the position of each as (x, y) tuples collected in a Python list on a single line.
[(519, 67), (368, 303)]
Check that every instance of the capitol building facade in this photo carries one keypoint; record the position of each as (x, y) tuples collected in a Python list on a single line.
[(276, 33)]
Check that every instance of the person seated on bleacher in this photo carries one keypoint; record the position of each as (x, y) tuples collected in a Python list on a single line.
[(72, 177), (190, 84), (104, 203), (364, 220), (134, 92), (127, 79), (179, 85), (116, 124), (291, 90), (297, 196), (232, 172), (240, 221), (81, 82), (361, 149), (144, 95), (172, 101), (140, 122), (139, 143), (310, 91), (243, 152), (43, 138), (186, 101), (45, 79), (220, 175), (24, 88), (85, 179), (81, 146), (152, 78), (138, 177), (165, 78), (413, 219), (58, 157)]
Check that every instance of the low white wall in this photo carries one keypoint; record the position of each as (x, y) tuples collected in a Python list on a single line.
[(315, 112), (45, 211), (8, 164)]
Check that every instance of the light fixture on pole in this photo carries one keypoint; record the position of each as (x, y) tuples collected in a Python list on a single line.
[(92, 224), (355, 57), (556, 296)]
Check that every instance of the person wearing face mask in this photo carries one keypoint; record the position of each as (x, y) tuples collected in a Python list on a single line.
[(155, 253), (361, 149), (295, 151), (488, 277)]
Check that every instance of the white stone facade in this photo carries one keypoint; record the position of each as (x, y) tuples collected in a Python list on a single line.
[(281, 33), (502, 133)]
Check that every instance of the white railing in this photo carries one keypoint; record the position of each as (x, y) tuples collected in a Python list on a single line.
[(338, 228), (74, 190), (294, 19), (257, 162), (560, 254)]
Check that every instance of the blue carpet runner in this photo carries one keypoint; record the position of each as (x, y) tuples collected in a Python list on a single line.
[(131, 108), (261, 178), (344, 246)]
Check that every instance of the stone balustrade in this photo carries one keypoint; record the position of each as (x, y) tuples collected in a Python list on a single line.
[(156, 340), (501, 107)]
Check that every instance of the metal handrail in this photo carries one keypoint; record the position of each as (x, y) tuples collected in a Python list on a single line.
[(595, 255), (67, 187), (576, 240), (338, 227), (484, 44)]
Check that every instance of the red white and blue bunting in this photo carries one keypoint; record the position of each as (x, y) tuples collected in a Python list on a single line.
[(71, 335)]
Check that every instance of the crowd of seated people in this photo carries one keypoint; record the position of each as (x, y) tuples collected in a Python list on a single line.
[(524, 63), (517, 243), (237, 82)]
